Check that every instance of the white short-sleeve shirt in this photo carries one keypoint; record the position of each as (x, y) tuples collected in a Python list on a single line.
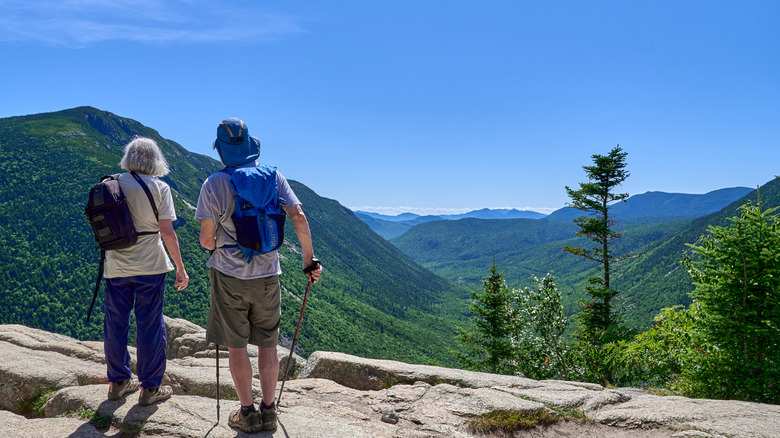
[(148, 255)]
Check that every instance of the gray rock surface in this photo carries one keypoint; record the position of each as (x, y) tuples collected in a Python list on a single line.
[(718, 417), (366, 374), (184, 338), (336, 395), (12, 425), (33, 361)]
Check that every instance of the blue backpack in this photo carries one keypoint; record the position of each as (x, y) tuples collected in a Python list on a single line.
[(258, 216)]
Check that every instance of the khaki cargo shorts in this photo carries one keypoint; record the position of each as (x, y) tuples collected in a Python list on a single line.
[(244, 311)]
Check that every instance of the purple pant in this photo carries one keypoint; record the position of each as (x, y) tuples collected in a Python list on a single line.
[(145, 293)]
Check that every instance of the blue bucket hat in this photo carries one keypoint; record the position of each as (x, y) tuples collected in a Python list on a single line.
[(234, 144)]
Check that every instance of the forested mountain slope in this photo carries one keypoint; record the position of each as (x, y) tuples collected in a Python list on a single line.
[(657, 280), (372, 301)]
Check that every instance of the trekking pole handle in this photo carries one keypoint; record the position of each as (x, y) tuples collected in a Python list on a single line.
[(315, 263)]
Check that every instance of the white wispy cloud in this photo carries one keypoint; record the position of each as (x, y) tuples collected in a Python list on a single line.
[(434, 211), (80, 23)]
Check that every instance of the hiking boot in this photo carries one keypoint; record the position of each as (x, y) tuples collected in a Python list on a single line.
[(268, 417), (249, 424), (150, 396), (116, 389)]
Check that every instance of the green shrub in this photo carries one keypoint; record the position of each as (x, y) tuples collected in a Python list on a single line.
[(511, 421)]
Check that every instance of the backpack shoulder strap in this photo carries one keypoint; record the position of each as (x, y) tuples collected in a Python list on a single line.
[(148, 194), (229, 170)]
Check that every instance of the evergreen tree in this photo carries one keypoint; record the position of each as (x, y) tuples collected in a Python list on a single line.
[(599, 324), (488, 345), (736, 271), (594, 197)]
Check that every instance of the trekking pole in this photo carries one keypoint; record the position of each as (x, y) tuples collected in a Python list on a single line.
[(314, 265), (217, 383), (217, 345)]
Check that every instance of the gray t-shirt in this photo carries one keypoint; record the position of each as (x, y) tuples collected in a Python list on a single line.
[(216, 203)]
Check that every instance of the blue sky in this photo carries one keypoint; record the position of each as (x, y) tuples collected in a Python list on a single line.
[(425, 106)]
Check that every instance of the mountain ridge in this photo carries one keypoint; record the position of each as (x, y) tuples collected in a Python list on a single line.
[(657, 206)]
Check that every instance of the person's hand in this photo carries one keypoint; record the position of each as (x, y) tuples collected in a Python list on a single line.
[(313, 274), (182, 279)]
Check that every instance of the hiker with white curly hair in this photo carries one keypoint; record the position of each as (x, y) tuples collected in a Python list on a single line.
[(135, 277)]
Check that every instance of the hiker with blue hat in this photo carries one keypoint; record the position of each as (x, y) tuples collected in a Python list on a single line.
[(241, 210)]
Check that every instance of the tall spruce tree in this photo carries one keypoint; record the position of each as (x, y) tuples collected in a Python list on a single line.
[(488, 345), (599, 324)]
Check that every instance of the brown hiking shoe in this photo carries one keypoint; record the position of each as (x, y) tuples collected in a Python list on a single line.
[(268, 417), (117, 390), (150, 396), (249, 424)]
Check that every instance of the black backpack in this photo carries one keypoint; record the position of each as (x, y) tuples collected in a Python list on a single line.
[(108, 213)]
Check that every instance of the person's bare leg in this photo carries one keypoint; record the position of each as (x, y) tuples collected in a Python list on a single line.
[(268, 364), (241, 371)]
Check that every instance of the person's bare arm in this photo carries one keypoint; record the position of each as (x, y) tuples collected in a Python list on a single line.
[(301, 225), (172, 245)]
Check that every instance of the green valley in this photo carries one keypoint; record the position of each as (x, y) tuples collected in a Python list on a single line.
[(653, 279)]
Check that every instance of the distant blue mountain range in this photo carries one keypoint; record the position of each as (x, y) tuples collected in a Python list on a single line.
[(658, 207), (646, 208), (393, 226), (485, 213)]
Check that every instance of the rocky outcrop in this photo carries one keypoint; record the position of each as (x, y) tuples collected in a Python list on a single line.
[(187, 341), (185, 338), (335, 395), (33, 361)]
